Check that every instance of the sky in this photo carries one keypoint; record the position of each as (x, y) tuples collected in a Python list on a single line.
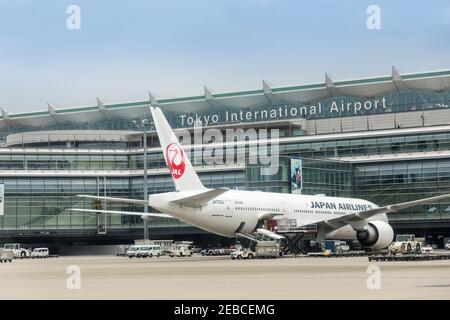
[(125, 48)]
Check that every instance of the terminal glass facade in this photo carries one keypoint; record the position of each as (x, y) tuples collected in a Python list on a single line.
[(393, 182), (368, 140), (380, 145), (45, 203)]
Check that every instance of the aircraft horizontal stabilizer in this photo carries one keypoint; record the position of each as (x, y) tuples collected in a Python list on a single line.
[(200, 197), (130, 213)]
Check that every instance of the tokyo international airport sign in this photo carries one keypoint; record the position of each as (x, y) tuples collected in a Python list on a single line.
[(325, 109), (296, 175), (328, 108)]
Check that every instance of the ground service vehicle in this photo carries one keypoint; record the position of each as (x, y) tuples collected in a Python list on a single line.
[(121, 250), (447, 245), (131, 251), (181, 250), (215, 252), (336, 246), (148, 251), (206, 252), (427, 250), (6, 256), (242, 254), (405, 243), (17, 249), (40, 253), (196, 249), (267, 249), (142, 251)]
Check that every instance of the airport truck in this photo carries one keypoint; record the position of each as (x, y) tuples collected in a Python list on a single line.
[(405, 243), (263, 249), (18, 250)]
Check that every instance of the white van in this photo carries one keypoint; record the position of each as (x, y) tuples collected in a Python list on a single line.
[(40, 253), (144, 250), (154, 251), (148, 250), (131, 251)]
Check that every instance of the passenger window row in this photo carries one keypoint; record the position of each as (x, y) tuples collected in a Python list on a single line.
[(303, 211), (257, 209)]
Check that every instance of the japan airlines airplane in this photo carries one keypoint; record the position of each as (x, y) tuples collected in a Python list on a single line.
[(235, 213)]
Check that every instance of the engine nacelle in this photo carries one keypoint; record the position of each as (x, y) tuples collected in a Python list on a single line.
[(379, 234)]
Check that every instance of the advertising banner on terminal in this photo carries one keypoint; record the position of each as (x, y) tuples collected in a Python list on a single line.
[(2, 199), (296, 175)]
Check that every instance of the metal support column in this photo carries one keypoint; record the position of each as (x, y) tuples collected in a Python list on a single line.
[(145, 186), (142, 126), (101, 205)]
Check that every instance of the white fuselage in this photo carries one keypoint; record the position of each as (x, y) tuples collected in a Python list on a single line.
[(240, 210)]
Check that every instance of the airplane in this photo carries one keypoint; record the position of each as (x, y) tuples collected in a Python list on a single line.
[(241, 214)]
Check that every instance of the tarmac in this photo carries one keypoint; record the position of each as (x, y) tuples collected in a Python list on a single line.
[(110, 277)]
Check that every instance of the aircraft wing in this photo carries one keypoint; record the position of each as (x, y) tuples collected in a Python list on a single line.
[(130, 213), (357, 220), (137, 201)]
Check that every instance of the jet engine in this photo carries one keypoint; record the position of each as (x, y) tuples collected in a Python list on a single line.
[(378, 235)]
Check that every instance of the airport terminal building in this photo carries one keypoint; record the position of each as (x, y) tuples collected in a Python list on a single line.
[(385, 139)]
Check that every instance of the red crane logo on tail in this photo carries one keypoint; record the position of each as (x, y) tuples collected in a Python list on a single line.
[(175, 160)]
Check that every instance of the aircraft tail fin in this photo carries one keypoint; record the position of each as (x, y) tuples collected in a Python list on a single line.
[(181, 169)]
